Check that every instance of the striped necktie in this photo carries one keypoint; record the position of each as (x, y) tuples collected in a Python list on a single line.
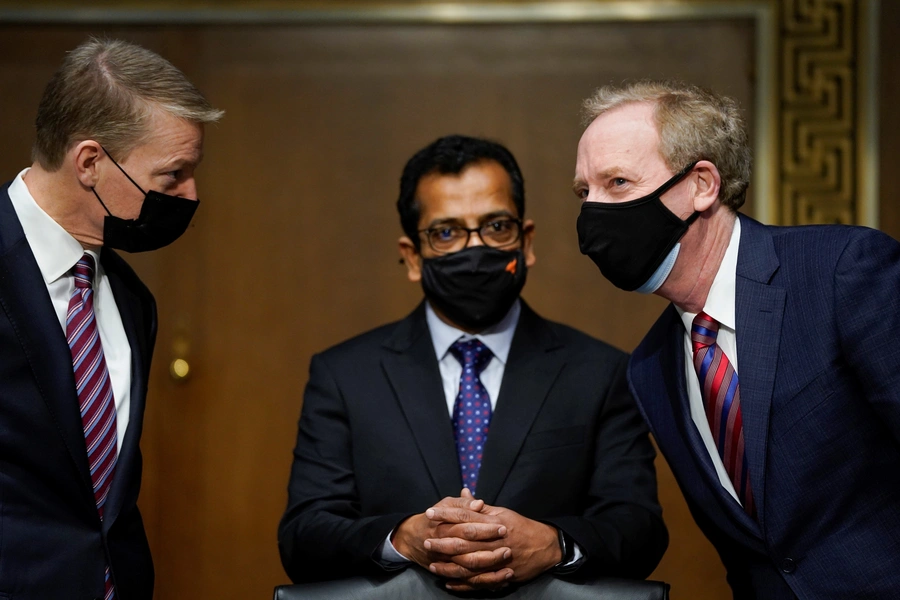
[(722, 400), (472, 411), (95, 395)]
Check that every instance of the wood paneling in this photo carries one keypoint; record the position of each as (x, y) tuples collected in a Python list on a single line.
[(889, 118), (294, 246)]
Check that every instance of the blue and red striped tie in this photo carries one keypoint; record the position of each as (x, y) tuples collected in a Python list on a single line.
[(95, 395), (472, 411), (722, 399)]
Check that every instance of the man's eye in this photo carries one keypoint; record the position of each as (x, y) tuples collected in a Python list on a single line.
[(619, 181), (498, 226), (582, 194), (445, 233), (174, 174)]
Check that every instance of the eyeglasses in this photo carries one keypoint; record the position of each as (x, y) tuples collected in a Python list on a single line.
[(496, 233)]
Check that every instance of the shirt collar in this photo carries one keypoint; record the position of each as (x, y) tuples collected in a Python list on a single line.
[(720, 300), (54, 249), (497, 338)]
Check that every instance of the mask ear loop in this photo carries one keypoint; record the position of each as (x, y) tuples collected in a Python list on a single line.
[(123, 173), (129, 176)]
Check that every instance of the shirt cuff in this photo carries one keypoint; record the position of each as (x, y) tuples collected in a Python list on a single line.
[(387, 555), (576, 557)]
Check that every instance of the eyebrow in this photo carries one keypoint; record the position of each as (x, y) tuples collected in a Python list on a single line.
[(482, 219)]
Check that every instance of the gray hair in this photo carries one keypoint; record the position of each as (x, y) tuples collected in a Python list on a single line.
[(693, 124)]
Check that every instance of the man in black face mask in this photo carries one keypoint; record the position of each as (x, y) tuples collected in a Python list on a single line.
[(524, 427), (771, 381), (77, 326)]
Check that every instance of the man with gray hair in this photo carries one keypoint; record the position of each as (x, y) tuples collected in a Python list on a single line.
[(772, 381), (119, 135)]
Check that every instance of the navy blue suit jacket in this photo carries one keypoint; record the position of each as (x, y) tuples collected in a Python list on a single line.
[(52, 542), (818, 343)]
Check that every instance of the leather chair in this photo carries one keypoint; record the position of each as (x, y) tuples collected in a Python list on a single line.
[(416, 584)]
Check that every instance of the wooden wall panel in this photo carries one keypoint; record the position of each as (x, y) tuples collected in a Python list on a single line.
[(889, 118)]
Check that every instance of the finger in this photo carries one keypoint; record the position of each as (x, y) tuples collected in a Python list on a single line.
[(454, 546), (475, 504), (458, 515), (476, 532), (467, 503), (475, 563), (483, 560), (493, 580)]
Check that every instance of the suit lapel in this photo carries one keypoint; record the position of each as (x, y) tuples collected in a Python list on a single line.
[(132, 320), (24, 299), (412, 370), (658, 365), (689, 428), (531, 369), (759, 310)]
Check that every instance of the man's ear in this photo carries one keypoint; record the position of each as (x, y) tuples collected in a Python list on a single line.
[(528, 243), (85, 156), (708, 183), (411, 258)]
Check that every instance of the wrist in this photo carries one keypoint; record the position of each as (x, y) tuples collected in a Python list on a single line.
[(400, 537)]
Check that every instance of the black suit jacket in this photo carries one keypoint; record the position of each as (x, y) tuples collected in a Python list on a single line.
[(52, 542), (567, 446)]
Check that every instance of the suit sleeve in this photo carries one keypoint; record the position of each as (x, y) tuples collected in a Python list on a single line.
[(322, 534), (867, 301), (620, 531)]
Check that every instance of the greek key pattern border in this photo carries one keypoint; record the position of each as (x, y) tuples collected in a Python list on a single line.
[(819, 111)]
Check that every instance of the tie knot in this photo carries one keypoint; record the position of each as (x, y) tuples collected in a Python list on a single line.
[(471, 354), (704, 330), (84, 271)]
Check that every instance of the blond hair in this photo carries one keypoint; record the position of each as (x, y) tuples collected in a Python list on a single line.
[(693, 124), (107, 90)]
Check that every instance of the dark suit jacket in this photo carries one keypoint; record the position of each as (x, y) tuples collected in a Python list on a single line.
[(818, 316), (375, 445), (52, 542)]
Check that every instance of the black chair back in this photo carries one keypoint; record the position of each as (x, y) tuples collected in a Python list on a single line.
[(415, 584)]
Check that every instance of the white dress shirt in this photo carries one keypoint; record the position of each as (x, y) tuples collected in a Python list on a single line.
[(56, 253), (720, 306), (497, 338)]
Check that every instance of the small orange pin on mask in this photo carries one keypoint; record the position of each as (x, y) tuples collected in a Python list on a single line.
[(511, 267)]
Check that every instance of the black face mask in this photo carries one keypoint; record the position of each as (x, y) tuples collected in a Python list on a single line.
[(476, 286), (630, 240), (162, 220)]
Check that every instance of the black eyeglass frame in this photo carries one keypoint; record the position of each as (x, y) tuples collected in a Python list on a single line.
[(470, 231)]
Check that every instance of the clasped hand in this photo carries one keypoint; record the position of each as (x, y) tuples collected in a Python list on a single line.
[(475, 545)]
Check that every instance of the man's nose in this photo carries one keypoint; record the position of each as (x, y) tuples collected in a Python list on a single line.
[(474, 240), (188, 189)]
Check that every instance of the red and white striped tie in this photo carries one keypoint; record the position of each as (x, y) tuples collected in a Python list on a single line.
[(95, 395)]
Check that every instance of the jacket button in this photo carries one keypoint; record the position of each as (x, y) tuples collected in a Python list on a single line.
[(788, 565)]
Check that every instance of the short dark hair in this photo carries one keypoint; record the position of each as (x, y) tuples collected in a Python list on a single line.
[(449, 155)]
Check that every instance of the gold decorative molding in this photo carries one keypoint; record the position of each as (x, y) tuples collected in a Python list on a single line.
[(815, 147), (820, 106)]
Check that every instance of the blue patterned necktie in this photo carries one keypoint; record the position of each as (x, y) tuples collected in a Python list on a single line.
[(472, 411)]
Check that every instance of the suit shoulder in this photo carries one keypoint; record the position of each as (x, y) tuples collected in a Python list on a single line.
[(826, 241), (365, 343)]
